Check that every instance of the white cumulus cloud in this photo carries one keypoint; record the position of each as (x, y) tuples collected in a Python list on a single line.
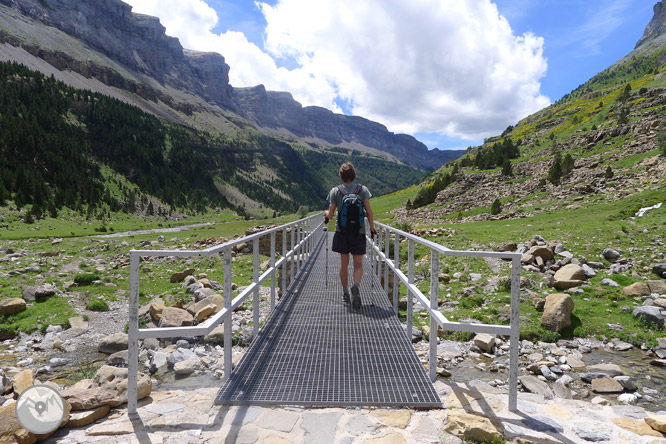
[(452, 67)]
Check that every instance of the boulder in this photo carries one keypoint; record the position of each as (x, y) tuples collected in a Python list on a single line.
[(637, 426), (78, 322), (472, 427), (155, 309), (201, 293), (606, 369), (22, 381), (660, 302), (484, 341), (658, 287), (571, 275), (187, 367), (609, 282), (38, 293), (85, 417), (543, 252), (179, 277), (175, 317), (659, 270), (216, 336), (204, 312), (534, 385), (114, 381), (113, 343), (606, 385), (180, 355), (610, 254), (575, 362), (657, 422), (85, 395), (650, 314), (557, 311), (216, 300), (12, 306), (636, 289)]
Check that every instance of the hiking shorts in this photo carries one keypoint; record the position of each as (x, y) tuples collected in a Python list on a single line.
[(348, 243)]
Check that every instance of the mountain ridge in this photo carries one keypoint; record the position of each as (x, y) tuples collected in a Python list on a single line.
[(139, 43)]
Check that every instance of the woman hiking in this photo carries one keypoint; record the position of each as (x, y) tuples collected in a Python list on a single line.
[(352, 201)]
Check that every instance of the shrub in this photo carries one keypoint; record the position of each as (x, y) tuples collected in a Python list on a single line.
[(85, 278), (97, 305), (496, 207), (609, 172)]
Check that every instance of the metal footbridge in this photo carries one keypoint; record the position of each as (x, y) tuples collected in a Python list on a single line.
[(314, 349)]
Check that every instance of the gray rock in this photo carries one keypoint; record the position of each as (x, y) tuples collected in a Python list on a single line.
[(534, 385), (649, 314), (542, 424), (187, 367), (627, 398), (609, 282), (626, 382), (606, 369), (622, 346), (596, 265), (592, 433), (159, 363), (151, 344), (181, 354), (561, 390), (610, 254), (629, 411), (192, 288), (58, 362), (589, 376), (203, 293), (113, 343), (484, 341), (182, 343), (659, 270), (589, 271), (545, 371), (320, 427)]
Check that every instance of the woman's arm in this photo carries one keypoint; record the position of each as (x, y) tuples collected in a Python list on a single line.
[(328, 214), (368, 213)]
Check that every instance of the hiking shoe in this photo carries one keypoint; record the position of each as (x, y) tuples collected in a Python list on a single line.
[(356, 300), (345, 298)]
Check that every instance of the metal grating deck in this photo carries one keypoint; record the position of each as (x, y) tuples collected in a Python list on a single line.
[(315, 350)]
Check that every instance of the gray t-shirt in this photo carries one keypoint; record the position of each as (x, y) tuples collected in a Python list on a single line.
[(335, 197)]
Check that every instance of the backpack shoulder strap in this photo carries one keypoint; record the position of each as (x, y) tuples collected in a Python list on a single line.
[(358, 190), (342, 189)]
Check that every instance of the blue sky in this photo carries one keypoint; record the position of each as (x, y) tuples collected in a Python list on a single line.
[(449, 72)]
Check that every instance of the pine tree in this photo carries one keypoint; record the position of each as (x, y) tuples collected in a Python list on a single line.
[(506, 168), (567, 165), (609, 172), (496, 207), (555, 171)]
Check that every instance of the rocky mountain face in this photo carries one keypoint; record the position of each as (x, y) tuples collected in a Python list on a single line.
[(279, 110), (657, 25), (158, 69)]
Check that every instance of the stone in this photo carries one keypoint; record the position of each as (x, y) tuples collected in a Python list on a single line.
[(22, 381), (114, 381), (557, 311), (561, 390), (598, 400), (657, 422), (118, 359), (179, 277), (12, 306), (607, 369), (575, 362), (473, 427), (606, 385), (610, 254), (181, 354), (151, 344), (622, 346), (636, 289), (570, 272), (609, 282), (155, 309), (216, 336), (394, 418), (626, 382), (592, 433), (320, 427), (534, 385), (627, 398), (659, 270), (589, 376), (658, 287), (557, 412), (543, 252), (204, 312), (187, 367), (85, 417), (484, 341), (10, 429), (58, 362), (113, 429), (542, 424), (202, 293), (391, 438), (660, 302), (637, 426), (278, 420), (78, 322), (113, 343), (159, 363), (650, 314), (84, 395), (175, 317)]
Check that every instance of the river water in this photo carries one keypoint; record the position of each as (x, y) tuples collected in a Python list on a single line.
[(152, 230)]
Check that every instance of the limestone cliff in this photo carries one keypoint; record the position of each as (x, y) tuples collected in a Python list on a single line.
[(657, 25)]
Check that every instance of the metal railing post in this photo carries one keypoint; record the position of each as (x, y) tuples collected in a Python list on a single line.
[(273, 272), (515, 334), (293, 255), (410, 280), (387, 242), (434, 305), (396, 263), (133, 336), (379, 249), (255, 278), (285, 268), (227, 318)]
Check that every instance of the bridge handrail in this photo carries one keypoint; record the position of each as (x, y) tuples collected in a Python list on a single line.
[(384, 232), (303, 241)]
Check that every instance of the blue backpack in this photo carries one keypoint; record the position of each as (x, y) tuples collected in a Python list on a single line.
[(351, 216)]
